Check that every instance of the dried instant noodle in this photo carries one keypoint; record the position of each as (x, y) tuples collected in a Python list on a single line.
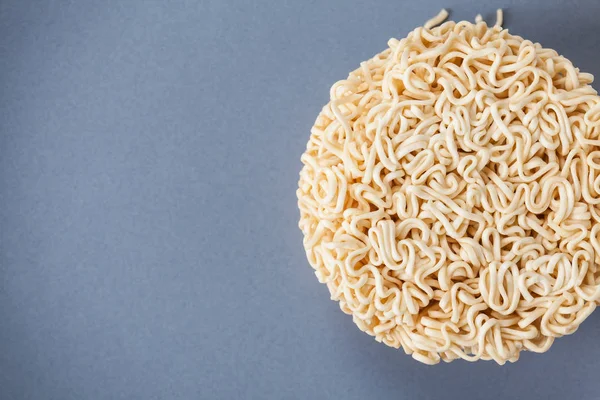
[(450, 194)]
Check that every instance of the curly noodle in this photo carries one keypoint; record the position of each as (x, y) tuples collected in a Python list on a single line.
[(450, 194)]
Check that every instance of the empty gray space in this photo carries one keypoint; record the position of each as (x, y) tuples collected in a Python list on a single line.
[(149, 246)]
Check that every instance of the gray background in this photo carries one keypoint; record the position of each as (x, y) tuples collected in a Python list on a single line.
[(149, 246)]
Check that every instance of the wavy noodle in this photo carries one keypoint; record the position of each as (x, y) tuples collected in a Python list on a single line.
[(450, 191)]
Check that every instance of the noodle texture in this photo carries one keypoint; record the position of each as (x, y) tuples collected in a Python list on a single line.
[(449, 195)]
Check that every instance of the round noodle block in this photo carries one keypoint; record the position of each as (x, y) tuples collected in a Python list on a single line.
[(449, 194)]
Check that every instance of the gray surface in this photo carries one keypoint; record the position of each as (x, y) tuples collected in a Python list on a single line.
[(149, 246)]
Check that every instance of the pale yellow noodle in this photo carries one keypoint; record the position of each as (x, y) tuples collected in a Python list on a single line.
[(450, 194), (438, 19)]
